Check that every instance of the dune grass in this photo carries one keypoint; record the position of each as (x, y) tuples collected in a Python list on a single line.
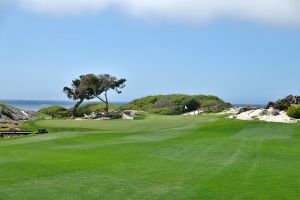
[(159, 157)]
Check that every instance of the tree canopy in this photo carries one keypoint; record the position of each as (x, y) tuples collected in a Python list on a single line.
[(91, 86), (99, 85), (77, 92)]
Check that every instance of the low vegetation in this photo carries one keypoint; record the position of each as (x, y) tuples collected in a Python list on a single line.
[(57, 112), (90, 108), (294, 111), (161, 104), (177, 104)]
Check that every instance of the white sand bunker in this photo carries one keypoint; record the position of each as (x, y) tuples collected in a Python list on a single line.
[(195, 112), (268, 115)]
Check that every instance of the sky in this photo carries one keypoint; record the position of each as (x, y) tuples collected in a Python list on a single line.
[(243, 52)]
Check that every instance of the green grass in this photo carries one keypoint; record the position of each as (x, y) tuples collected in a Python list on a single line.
[(159, 157)]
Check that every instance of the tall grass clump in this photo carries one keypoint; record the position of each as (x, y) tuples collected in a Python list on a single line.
[(57, 112)]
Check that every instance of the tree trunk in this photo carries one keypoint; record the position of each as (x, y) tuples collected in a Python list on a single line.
[(76, 108), (106, 105)]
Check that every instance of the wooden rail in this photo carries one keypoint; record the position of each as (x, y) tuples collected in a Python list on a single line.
[(14, 133)]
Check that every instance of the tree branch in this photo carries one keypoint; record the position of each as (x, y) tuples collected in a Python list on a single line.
[(98, 97)]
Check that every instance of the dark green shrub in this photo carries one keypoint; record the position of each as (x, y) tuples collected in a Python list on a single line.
[(7, 112), (282, 104), (179, 101), (192, 104), (294, 111)]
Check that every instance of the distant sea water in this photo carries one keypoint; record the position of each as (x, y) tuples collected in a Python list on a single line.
[(253, 105), (35, 105)]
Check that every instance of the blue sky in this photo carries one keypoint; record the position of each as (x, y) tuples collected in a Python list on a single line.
[(242, 61)]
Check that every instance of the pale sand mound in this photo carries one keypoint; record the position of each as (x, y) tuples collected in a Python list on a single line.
[(232, 111), (264, 115), (195, 112)]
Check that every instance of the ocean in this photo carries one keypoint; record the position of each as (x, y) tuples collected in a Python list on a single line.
[(253, 105)]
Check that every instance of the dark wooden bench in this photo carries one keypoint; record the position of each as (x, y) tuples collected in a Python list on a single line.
[(14, 133)]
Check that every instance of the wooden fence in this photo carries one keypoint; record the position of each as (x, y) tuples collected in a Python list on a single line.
[(14, 133)]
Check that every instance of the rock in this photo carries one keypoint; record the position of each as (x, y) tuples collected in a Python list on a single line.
[(241, 110), (291, 99), (102, 115), (15, 129), (127, 117), (297, 99), (104, 118), (42, 131), (92, 116), (275, 112), (3, 121), (9, 113), (270, 105), (129, 114)]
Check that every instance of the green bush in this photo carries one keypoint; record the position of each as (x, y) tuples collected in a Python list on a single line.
[(57, 112), (163, 111), (294, 111), (7, 112), (143, 104)]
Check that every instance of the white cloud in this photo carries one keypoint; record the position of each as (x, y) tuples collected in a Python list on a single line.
[(276, 12)]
